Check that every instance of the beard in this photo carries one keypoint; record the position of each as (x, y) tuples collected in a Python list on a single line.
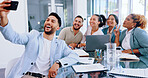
[(76, 28), (50, 32)]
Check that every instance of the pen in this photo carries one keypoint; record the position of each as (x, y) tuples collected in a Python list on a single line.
[(70, 46)]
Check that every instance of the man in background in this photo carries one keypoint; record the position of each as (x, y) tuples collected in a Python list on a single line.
[(72, 35)]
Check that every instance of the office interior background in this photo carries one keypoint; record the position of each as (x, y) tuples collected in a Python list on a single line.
[(31, 14)]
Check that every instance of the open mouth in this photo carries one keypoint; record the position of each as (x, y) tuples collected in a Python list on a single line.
[(48, 26)]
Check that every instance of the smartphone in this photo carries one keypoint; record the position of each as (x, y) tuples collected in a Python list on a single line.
[(13, 6)]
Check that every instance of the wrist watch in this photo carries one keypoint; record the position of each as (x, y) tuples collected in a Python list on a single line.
[(58, 62)]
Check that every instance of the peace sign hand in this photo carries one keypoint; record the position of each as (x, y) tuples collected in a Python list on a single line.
[(116, 31)]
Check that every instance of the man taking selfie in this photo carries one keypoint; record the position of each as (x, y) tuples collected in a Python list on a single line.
[(44, 54)]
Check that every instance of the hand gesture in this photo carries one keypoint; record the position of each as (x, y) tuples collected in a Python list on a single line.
[(116, 31), (53, 70)]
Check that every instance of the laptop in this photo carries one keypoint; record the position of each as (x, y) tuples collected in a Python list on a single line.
[(96, 42)]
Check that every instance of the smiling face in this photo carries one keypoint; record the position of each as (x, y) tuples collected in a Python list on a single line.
[(77, 23), (111, 21), (128, 22), (94, 22), (51, 25)]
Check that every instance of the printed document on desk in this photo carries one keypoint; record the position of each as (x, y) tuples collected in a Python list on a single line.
[(88, 68), (128, 72), (81, 53), (87, 60), (127, 56)]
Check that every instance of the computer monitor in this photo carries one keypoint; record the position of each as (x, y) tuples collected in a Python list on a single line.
[(96, 42)]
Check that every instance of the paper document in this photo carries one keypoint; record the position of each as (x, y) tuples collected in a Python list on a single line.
[(127, 56), (87, 60), (81, 53), (128, 72), (88, 68)]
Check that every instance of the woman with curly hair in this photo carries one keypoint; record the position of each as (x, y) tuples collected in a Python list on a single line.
[(134, 39)]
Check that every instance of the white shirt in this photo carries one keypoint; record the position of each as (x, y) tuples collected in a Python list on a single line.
[(43, 61), (88, 32), (126, 40)]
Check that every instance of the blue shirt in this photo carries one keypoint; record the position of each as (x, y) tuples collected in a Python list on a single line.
[(33, 42)]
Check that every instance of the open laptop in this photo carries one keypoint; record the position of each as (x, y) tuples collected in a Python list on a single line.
[(96, 42)]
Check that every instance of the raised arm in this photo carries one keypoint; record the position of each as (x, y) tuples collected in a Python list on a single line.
[(6, 28), (117, 34)]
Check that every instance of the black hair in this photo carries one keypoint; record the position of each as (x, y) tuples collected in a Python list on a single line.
[(116, 18), (100, 20), (57, 16), (79, 17), (104, 19)]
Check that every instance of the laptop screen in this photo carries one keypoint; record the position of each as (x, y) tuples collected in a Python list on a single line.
[(96, 42)]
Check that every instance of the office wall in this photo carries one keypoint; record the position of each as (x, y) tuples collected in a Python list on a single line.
[(18, 20)]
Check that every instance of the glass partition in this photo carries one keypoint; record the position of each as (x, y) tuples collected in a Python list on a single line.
[(38, 11)]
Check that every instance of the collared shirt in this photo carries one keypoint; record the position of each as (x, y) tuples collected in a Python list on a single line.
[(42, 64), (33, 46), (88, 32), (126, 40), (67, 34)]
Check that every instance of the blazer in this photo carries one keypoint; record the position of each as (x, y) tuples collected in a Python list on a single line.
[(33, 42), (138, 40), (104, 30)]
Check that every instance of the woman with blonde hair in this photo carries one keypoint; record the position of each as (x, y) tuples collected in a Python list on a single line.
[(134, 39)]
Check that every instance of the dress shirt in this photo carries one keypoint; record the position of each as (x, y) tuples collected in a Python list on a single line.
[(126, 40)]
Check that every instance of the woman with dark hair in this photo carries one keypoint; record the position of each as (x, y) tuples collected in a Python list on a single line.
[(104, 19), (134, 39), (94, 29), (112, 22)]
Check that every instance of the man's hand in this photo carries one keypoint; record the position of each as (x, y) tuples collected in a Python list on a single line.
[(4, 12), (81, 45), (72, 46), (53, 70)]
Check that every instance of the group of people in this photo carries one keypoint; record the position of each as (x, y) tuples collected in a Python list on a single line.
[(133, 40), (45, 54), (74, 37)]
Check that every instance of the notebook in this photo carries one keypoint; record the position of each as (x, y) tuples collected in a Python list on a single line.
[(130, 73), (128, 57), (81, 53), (96, 42), (78, 69)]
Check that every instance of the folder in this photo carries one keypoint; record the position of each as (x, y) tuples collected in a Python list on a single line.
[(78, 69), (128, 57), (86, 60), (129, 72), (81, 53)]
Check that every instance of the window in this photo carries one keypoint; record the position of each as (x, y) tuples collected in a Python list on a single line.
[(38, 11), (147, 13), (125, 10), (138, 6), (113, 7)]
